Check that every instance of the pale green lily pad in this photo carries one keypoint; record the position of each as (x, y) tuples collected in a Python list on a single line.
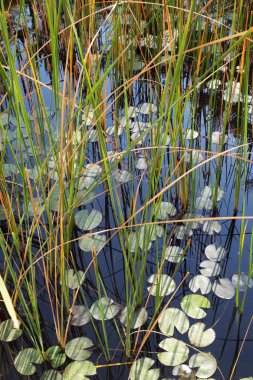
[(80, 316), (141, 370), (7, 331), (51, 374), (211, 226), (182, 232), (104, 309), (200, 337), (141, 163), (86, 220), (173, 318), (201, 283), (203, 203), (163, 285), (136, 319), (190, 134), (77, 349), (217, 138), (123, 176), (215, 254), (224, 288), (74, 280), (193, 304), (182, 370), (210, 268), (9, 170), (147, 108), (24, 362), (206, 364), (90, 243), (165, 209), (132, 241), (242, 281), (56, 356), (176, 353), (174, 254), (194, 156), (79, 371)]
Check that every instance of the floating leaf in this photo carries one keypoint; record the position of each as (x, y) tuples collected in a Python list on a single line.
[(163, 285), (217, 138), (79, 370), (123, 176), (190, 215), (80, 316), (86, 220), (51, 374), (104, 308), (77, 349), (194, 156), (173, 318), (135, 319), (147, 108), (90, 243), (132, 241), (242, 281), (176, 352), (206, 362), (201, 283), (165, 209), (209, 268), (56, 356), (215, 254), (141, 370), (203, 203), (213, 84), (174, 254), (24, 362), (7, 331), (190, 134), (141, 163), (72, 279), (182, 370), (193, 304), (182, 232), (200, 337), (224, 288), (211, 226)]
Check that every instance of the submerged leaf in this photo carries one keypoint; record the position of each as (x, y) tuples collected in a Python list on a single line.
[(173, 318), (104, 308), (224, 288), (200, 337), (176, 352), (141, 370), (135, 319), (24, 362), (193, 304), (163, 285), (205, 362)]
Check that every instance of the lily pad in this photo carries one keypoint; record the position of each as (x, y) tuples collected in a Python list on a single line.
[(136, 319), (176, 353), (163, 285), (174, 254), (242, 281), (193, 224), (217, 138), (7, 331), (90, 243), (147, 108), (77, 349), (56, 356), (224, 288), (79, 371), (182, 232), (200, 283), (165, 209), (51, 374), (200, 337), (211, 226), (190, 134), (80, 316), (193, 304), (123, 176), (173, 318), (209, 268), (86, 220), (182, 370), (206, 364), (74, 280), (141, 370), (104, 309), (215, 254), (25, 360)]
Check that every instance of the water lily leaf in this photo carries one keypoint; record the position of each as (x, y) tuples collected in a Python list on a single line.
[(190, 215), (136, 319), (224, 288), (201, 283), (242, 281), (205, 363), (165, 209), (90, 173), (193, 304), (182, 232), (190, 134), (173, 318), (217, 138), (182, 370), (104, 309), (56, 356), (210, 191), (90, 243), (215, 254), (9, 170), (163, 285), (203, 203), (77, 349), (51, 374), (86, 220), (25, 360), (79, 371), (132, 241), (194, 156), (72, 279), (200, 337), (147, 108), (213, 84), (209, 268), (123, 176), (211, 226), (141, 163), (80, 316), (7, 331), (141, 370), (176, 353), (133, 111), (174, 254)]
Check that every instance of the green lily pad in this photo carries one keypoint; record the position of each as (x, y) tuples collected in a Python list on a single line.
[(104, 309), (79, 371), (86, 220), (77, 349), (165, 209), (141, 370), (209, 268), (81, 316), (224, 288), (163, 285), (201, 283), (176, 353), (215, 254), (193, 304), (74, 280), (174, 254), (173, 318), (56, 356), (51, 374), (135, 319), (200, 337), (90, 243), (205, 363), (7, 331), (25, 360)]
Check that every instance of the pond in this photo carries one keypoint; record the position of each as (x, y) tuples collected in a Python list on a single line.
[(126, 190)]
